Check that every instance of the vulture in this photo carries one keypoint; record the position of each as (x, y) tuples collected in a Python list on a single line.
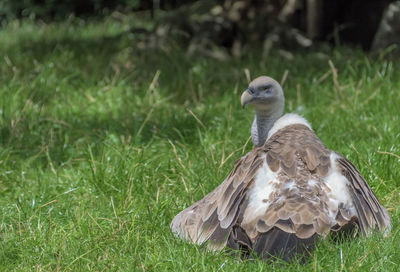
[(286, 193)]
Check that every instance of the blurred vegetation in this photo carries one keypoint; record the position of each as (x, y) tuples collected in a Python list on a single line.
[(59, 9), (230, 25)]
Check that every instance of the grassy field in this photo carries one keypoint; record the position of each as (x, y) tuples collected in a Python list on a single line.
[(102, 142)]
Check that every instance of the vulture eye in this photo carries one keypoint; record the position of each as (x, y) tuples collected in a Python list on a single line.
[(268, 88)]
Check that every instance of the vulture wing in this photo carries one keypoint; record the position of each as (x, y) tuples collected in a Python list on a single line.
[(211, 218), (370, 213)]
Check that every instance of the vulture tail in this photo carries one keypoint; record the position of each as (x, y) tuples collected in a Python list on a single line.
[(277, 243)]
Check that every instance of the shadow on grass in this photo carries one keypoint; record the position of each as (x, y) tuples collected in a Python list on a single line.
[(76, 132)]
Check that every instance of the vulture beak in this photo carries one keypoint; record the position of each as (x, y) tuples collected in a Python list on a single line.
[(246, 98)]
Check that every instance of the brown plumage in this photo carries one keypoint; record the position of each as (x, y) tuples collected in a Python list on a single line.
[(282, 196)]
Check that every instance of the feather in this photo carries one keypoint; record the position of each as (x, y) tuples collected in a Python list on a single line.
[(369, 212)]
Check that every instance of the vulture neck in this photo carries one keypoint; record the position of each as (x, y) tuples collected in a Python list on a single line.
[(263, 122)]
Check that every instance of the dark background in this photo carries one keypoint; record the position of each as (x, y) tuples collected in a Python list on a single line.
[(234, 25)]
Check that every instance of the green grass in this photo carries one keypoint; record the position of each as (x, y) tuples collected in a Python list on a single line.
[(103, 142)]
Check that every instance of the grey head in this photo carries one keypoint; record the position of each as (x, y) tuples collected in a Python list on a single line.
[(266, 95)]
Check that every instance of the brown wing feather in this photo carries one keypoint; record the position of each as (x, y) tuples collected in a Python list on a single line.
[(370, 212), (211, 218)]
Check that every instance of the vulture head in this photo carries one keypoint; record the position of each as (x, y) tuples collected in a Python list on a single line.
[(266, 95)]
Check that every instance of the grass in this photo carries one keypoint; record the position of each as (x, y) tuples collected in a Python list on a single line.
[(102, 143)]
